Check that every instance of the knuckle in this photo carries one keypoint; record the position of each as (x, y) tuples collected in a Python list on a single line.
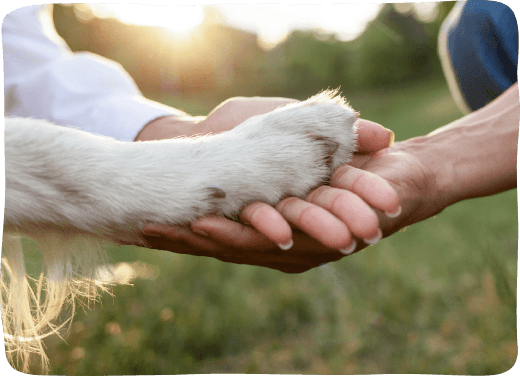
[(339, 175), (337, 199), (316, 194), (285, 203), (306, 216)]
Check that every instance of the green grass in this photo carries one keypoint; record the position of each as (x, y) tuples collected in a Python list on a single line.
[(437, 297)]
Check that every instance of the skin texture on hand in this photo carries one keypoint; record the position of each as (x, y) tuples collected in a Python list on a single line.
[(474, 156)]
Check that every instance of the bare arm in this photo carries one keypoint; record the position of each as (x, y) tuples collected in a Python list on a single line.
[(478, 152), (474, 156)]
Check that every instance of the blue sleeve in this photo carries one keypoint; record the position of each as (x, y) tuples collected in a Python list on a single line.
[(480, 40)]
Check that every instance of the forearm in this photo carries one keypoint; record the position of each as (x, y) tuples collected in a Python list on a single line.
[(117, 186), (476, 155)]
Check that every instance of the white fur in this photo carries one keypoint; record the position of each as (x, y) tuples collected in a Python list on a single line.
[(62, 182)]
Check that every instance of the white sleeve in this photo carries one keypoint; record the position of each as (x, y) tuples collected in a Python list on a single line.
[(45, 80)]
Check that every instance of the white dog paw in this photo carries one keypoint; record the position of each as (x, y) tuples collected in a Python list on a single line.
[(286, 152), (327, 118)]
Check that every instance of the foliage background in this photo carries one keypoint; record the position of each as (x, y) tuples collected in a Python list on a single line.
[(438, 297)]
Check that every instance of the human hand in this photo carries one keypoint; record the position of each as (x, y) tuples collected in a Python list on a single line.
[(403, 166), (233, 241), (453, 163)]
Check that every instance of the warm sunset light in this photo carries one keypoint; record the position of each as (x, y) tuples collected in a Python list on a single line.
[(272, 23), (180, 19)]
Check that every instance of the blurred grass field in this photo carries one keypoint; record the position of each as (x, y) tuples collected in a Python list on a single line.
[(438, 297)]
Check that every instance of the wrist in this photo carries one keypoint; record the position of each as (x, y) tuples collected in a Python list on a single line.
[(167, 127), (436, 156), (471, 157), (427, 190)]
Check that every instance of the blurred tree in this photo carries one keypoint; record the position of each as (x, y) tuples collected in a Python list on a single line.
[(398, 46), (307, 62)]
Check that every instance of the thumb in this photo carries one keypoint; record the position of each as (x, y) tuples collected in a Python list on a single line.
[(373, 137)]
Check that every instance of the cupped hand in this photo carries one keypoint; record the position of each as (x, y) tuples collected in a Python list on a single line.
[(325, 223), (402, 167)]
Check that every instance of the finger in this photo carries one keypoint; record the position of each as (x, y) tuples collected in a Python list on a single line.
[(360, 219), (373, 137), (316, 222), (268, 221), (230, 234), (373, 189)]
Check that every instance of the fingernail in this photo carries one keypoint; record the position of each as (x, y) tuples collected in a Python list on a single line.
[(351, 248), (392, 138), (199, 232), (395, 214), (375, 239), (285, 247)]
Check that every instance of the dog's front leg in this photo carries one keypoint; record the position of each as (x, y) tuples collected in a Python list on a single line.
[(62, 177)]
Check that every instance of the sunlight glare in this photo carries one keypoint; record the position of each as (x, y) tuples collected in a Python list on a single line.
[(426, 12), (180, 19), (273, 22)]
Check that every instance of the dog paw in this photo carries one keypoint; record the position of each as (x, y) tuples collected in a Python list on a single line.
[(286, 152), (326, 119)]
